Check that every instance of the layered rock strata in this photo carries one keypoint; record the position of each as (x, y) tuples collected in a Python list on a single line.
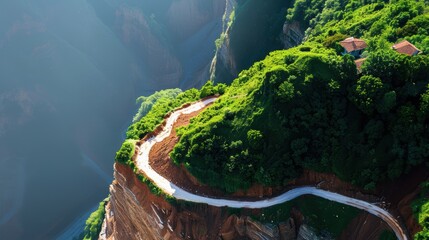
[(135, 213)]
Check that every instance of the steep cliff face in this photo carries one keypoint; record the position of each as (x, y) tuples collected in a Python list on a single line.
[(137, 32), (135, 213), (223, 65), (292, 34), (186, 17), (239, 45), (173, 39)]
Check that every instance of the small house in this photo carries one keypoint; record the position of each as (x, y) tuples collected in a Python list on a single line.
[(359, 64), (406, 47), (353, 46)]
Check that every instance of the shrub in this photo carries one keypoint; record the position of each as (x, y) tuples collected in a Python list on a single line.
[(126, 151), (94, 222)]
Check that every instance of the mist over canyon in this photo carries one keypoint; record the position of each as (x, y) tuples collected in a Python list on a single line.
[(70, 72)]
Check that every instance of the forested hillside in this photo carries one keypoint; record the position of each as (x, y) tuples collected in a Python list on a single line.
[(308, 107), (312, 107)]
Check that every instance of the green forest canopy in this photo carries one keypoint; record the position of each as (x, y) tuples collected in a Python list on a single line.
[(308, 108)]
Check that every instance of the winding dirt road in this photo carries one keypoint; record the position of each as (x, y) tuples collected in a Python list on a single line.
[(177, 192)]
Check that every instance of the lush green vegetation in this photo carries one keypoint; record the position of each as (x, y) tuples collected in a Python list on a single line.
[(307, 108), (94, 222), (146, 103), (151, 113), (380, 23), (421, 210), (160, 108), (163, 103), (126, 152), (155, 107)]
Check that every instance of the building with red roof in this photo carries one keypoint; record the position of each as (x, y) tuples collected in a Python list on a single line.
[(353, 46), (359, 64), (406, 47)]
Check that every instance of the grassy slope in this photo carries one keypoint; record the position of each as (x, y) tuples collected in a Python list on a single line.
[(94, 222)]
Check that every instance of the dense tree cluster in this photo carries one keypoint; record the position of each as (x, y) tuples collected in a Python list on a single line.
[(126, 152), (157, 107), (146, 103), (158, 111), (308, 108), (94, 222), (421, 210), (379, 22)]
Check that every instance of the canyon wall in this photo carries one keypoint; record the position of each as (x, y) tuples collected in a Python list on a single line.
[(174, 40), (251, 29), (133, 212)]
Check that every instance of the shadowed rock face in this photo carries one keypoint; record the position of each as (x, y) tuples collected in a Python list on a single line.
[(251, 30), (135, 213), (174, 39), (70, 72)]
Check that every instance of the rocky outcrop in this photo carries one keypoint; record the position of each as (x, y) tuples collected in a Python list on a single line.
[(292, 34), (223, 64), (234, 42), (133, 212)]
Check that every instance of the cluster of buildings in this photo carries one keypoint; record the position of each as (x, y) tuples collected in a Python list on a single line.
[(355, 47)]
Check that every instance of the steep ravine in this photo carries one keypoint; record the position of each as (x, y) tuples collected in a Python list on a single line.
[(174, 40)]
